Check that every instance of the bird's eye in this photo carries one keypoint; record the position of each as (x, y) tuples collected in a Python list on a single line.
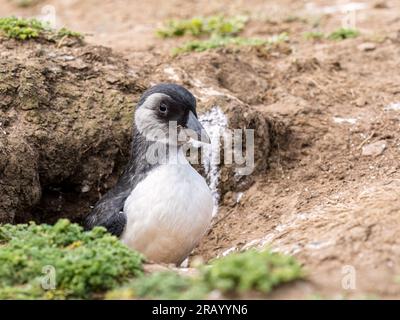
[(163, 108)]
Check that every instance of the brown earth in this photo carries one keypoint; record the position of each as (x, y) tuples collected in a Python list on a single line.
[(65, 116), (317, 195)]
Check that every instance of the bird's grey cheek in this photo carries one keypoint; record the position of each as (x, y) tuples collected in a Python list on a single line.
[(149, 125)]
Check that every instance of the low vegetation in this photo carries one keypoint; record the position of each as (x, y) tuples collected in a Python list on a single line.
[(234, 275), (339, 34), (21, 29), (218, 42), (64, 32), (84, 263), (251, 270), (25, 29), (167, 285), (344, 33), (213, 32), (214, 25)]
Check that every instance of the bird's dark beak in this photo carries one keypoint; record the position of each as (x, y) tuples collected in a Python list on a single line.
[(196, 130)]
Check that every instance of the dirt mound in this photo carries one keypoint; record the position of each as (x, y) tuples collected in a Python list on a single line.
[(65, 121), (66, 114)]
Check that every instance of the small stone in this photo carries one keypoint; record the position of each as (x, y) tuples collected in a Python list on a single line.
[(360, 102), (112, 80), (85, 189), (67, 58), (367, 46), (78, 64), (374, 149)]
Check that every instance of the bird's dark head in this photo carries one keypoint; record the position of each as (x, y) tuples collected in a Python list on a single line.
[(164, 107)]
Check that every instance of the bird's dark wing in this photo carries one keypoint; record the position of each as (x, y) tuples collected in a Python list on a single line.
[(108, 211)]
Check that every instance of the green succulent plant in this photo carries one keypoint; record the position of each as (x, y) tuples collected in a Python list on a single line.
[(214, 25), (21, 29), (235, 274), (251, 270), (84, 262), (25, 29), (344, 33), (219, 42)]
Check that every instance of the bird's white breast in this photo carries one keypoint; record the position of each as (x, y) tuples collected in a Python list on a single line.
[(168, 212)]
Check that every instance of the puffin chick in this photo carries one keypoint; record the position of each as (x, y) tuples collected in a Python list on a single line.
[(159, 208)]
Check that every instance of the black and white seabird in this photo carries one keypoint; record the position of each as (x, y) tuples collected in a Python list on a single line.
[(161, 209)]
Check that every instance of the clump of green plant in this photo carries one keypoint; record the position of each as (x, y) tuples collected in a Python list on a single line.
[(251, 270), (64, 32), (24, 29), (218, 42), (21, 29), (344, 33), (220, 31), (166, 285), (214, 25), (84, 263), (314, 35), (234, 274)]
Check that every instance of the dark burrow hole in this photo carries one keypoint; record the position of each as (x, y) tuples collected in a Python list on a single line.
[(61, 201), (66, 199)]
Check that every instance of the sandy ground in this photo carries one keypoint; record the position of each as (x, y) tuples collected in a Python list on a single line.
[(323, 199)]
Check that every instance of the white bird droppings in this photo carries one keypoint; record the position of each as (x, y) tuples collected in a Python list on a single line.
[(214, 122), (393, 106), (345, 120)]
